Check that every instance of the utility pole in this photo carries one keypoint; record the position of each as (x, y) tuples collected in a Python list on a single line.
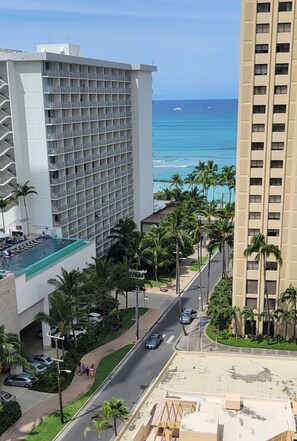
[(137, 275)]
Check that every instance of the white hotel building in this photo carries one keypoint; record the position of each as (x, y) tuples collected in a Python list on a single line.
[(80, 130)]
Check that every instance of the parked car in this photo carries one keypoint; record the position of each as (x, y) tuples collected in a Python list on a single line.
[(24, 379), (44, 359), (78, 330), (88, 320), (95, 316), (38, 367), (187, 316), (68, 341), (6, 397), (154, 341)]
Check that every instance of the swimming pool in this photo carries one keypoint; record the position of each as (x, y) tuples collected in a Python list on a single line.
[(40, 256)]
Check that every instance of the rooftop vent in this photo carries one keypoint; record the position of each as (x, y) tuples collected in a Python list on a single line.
[(232, 401)]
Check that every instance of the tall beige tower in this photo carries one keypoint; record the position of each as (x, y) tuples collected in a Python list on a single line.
[(266, 187)]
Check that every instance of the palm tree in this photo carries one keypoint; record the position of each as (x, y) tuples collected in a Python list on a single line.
[(191, 180), (233, 313), (4, 202), (99, 423), (24, 191), (108, 415), (228, 175), (122, 233), (210, 211), (250, 315), (177, 181), (286, 318), (290, 296), (263, 250), (154, 253)]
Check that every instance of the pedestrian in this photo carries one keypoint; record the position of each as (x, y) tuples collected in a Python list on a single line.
[(83, 369), (87, 371), (78, 369), (92, 371)]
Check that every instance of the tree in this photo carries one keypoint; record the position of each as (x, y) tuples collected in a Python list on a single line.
[(220, 234), (250, 315), (177, 181), (262, 250), (22, 191), (154, 253), (108, 415), (122, 233), (290, 296), (4, 202), (286, 318), (228, 175), (233, 314)]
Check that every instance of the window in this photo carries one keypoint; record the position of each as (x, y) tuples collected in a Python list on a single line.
[(256, 181), (259, 90), (258, 127), (285, 6), (278, 127), (280, 90), (277, 145), (277, 182), (259, 108), (261, 69), (251, 286), (263, 7), (276, 164), (283, 47), (279, 108), (254, 215), (262, 28), (262, 49), (257, 145), (280, 69), (273, 215), (283, 27), (275, 199), (271, 286), (272, 232), (253, 231), (256, 163), (252, 265), (251, 303), (271, 266), (255, 198), (271, 304)]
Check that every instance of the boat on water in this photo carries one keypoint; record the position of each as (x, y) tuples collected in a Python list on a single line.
[(177, 108)]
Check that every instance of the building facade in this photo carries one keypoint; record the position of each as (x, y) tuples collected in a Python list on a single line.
[(266, 181), (80, 130)]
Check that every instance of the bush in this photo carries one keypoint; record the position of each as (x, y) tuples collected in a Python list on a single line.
[(224, 335), (9, 414)]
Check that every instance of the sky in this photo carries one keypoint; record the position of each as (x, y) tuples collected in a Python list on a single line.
[(193, 43)]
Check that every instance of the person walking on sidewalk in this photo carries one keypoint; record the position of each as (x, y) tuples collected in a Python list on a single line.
[(78, 369), (83, 369), (87, 371), (92, 371)]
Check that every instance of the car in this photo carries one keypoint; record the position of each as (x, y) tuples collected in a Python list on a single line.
[(68, 341), (25, 379), (44, 359), (6, 397), (154, 341), (38, 367), (95, 316), (88, 320), (187, 316)]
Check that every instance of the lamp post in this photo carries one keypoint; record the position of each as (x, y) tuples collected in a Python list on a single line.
[(137, 275)]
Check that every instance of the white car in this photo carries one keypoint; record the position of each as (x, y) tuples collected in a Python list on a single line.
[(78, 330), (44, 359), (96, 317)]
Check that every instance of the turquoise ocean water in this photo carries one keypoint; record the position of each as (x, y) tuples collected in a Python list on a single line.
[(201, 130)]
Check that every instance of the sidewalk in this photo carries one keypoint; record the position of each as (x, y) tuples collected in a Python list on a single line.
[(158, 302)]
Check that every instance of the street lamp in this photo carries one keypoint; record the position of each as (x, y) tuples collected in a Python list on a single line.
[(137, 275)]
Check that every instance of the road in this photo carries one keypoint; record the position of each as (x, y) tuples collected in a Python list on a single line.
[(143, 366)]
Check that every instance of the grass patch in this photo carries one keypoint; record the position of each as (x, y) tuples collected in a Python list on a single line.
[(163, 281), (195, 265), (52, 425), (248, 343)]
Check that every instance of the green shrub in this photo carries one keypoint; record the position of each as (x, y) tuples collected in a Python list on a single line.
[(9, 414), (224, 335)]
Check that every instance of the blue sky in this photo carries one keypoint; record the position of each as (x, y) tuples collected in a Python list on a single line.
[(194, 43)]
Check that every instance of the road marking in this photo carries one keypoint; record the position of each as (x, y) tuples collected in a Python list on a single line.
[(170, 339)]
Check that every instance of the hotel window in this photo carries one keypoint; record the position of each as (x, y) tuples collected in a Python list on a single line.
[(271, 308), (263, 7), (283, 47), (261, 49), (271, 266), (262, 28), (280, 69), (280, 90), (279, 108), (261, 69), (277, 145), (276, 182), (258, 127), (251, 303), (255, 198), (278, 127), (252, 265), (257, 145), (256, 163), (260, 108), (253, 232), (285, 6), (276, 164), (272, 232), (271, 286), (251, 286), (254, 215), (284, 27), (259, 90), (275, 198), (256, 181), (272, 215)]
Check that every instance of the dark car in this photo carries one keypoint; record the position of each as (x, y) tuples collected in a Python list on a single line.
[(154, 341), (24, 379)]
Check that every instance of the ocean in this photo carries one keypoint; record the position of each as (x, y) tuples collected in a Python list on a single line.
[(188, 131)]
